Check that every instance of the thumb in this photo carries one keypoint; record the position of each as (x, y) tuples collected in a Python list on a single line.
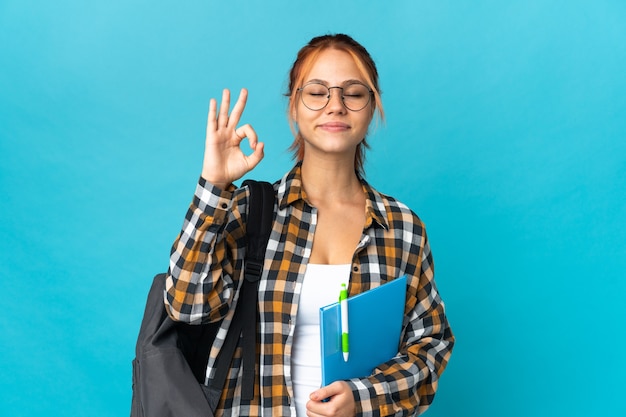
[(255, 157), (325, 392)]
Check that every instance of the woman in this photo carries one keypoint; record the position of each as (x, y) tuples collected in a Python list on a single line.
[(330, 227)]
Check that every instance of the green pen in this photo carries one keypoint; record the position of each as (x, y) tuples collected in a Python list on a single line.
[(343, 306)]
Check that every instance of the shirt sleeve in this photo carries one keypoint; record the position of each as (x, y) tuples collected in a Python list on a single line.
[(201, 280), (406, 384)]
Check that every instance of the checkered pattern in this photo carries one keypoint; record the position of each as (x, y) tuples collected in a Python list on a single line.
[(206, 268)]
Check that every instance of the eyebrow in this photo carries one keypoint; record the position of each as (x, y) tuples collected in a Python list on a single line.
[(346, 82)]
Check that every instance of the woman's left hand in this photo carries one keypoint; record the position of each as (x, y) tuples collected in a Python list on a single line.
[(340, 403)]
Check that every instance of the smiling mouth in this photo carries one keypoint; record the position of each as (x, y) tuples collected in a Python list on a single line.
[(335, 127)]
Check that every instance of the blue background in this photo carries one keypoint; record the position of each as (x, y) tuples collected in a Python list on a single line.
[(506, 128)]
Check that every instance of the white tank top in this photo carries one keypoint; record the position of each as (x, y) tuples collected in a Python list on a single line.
[(320, 287)]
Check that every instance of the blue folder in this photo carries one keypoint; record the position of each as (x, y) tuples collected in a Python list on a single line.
[(375, 322)]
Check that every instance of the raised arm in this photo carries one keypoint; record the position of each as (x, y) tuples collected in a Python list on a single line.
[(203, 261)]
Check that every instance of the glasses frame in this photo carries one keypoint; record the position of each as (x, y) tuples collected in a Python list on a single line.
[(369, 97)]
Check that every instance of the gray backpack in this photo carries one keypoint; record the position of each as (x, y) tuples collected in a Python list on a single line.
[(171, 357)]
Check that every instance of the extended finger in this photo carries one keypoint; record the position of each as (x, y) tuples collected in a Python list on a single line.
[(211, 123), (222, 118), (240, 105)]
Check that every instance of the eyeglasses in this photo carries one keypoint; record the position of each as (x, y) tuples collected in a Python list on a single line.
[(315, 96)]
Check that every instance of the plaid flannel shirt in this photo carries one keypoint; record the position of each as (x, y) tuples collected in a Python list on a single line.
[(206, 269)]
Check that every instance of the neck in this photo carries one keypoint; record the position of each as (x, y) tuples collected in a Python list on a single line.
[(330, 180)]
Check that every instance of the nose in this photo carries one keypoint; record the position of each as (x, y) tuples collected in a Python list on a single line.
[(335, 102)]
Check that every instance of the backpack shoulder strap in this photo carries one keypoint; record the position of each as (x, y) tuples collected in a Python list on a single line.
[(258, 228)]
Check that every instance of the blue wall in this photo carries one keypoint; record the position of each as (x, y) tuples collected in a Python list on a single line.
[(506, 133)]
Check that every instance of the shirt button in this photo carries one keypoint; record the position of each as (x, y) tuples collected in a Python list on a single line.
[(355, 268), (224, 205)]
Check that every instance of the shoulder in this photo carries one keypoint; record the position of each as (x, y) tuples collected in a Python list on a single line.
[(391, 212)]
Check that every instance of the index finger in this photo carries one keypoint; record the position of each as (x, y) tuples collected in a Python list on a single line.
[(240, 105)]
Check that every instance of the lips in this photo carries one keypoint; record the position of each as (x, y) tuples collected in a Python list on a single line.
[(334, 126)]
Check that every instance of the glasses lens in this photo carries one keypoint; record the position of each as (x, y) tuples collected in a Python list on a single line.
[(315, 96), (356, 96)]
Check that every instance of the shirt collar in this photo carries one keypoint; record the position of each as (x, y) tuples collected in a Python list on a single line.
[(290, 188), (290, 191)]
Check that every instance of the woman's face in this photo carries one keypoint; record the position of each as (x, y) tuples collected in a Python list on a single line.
[(334, 130)]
